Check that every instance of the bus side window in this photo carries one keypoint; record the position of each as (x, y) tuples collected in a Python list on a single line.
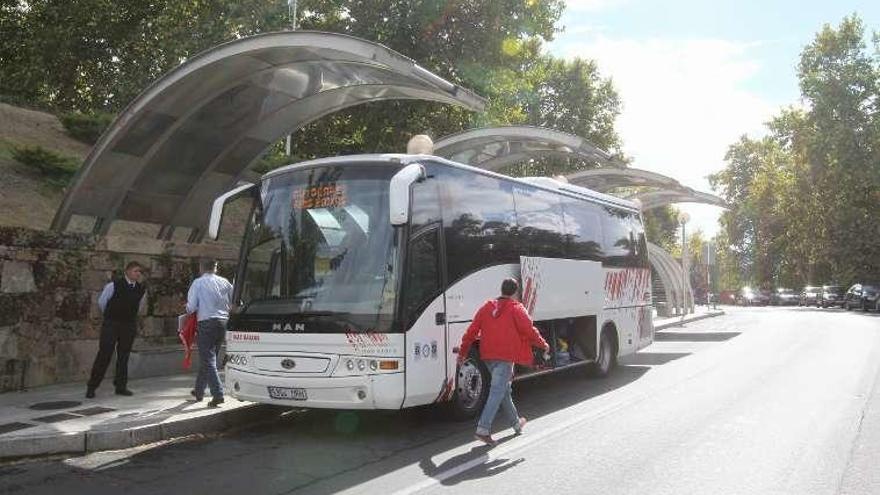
[(422, 281), (583, 230), (619, 243), (539, 218)]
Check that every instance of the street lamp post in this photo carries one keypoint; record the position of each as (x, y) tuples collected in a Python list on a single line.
[(683, 219)]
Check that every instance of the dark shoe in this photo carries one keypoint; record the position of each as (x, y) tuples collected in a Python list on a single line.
[(90, 393), (487, 439), (124, 391), (216, 401), (193, 393)]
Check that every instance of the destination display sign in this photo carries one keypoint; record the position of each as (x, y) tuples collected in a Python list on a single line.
[(320, 196)]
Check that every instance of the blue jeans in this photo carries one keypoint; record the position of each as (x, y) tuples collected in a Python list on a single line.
[(499, 396), (210, 336)]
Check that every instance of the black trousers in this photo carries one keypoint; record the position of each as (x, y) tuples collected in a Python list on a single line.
[(118, 335)]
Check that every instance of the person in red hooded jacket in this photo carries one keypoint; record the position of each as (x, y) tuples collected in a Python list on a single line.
[(507, 336)]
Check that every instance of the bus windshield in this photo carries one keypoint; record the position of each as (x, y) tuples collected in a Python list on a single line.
[(322, 244)]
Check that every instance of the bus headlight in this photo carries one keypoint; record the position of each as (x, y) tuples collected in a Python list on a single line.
[(361, 365), (349, 364), (374, 365)]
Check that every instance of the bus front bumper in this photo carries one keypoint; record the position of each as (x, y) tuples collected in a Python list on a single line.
[(380, 391)]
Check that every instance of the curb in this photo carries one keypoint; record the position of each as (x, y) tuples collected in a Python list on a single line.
[(96, 440), (679, 323)]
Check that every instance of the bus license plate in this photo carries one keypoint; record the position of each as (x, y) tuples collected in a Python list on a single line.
[(286, 393)]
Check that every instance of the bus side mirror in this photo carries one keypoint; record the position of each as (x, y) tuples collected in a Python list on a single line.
[(220, 204), (400, 189)]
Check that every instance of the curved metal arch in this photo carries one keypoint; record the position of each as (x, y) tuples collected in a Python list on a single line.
[(605, 179), (663, 197), (194, 132), (669, 276), (492, 148)]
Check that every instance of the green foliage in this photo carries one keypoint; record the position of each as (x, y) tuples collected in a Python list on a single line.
[(661, 226), (97, 55), (87, 127), (806, 198), (56, 168)]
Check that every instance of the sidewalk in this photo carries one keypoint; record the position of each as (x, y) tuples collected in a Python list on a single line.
[(59, 419), (700, 313)]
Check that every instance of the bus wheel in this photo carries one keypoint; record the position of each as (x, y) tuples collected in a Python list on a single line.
[(606, 359), (471, 389)]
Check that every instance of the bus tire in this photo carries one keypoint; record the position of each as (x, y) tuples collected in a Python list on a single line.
[(606, 358), (471, 389)]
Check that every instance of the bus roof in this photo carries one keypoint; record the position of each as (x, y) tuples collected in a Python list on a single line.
[(399, 158)]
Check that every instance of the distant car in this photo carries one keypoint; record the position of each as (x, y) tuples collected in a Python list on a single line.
[(751, 297), (810, 296), (831, 295), (784, 297), (863, 296)]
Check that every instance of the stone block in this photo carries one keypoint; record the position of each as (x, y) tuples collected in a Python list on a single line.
[(7, 253), (152, 327), (17, 277), (168, 305), (203, 250), (39, 308), (95, 280), (29, 255), (73, 306), (124, 244), (14, 307), (57, 443), (8, 343), (103, 261), (66, 273), (41, 371), (94, 310), (73, 359)]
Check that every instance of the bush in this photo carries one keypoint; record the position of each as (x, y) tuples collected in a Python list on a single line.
[(86, 127), (58, 169)]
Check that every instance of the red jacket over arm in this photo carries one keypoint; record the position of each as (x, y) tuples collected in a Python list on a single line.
[(505, 331)]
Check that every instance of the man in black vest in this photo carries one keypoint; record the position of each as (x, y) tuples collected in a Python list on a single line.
[(119, 302)]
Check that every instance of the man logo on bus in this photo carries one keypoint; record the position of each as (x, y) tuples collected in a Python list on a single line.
[(287, 327)]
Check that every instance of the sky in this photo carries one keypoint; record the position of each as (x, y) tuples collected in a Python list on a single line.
[(693, 75)]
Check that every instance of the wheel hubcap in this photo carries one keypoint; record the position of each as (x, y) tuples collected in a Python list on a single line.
[(470, 384)]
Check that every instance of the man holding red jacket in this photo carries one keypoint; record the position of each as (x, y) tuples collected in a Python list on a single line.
[(506, 338)]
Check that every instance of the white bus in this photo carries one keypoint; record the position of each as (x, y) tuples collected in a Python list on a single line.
[(358, 276)]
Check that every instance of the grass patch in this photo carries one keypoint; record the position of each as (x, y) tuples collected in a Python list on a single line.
[(56, 169), (86, 127)]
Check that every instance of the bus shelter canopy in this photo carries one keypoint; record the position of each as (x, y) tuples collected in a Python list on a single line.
[(682, 194), (492, 148), (606, 179), (195, 131)]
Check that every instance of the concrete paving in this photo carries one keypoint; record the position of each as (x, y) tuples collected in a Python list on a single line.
[(761, 400), (59, 419)]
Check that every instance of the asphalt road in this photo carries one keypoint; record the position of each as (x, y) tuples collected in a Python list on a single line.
[(761, 400)]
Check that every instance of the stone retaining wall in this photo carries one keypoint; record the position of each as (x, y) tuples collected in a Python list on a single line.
[(49, 285)]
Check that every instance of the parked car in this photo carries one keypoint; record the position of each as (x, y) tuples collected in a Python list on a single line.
[(751, 297), (784, 297), (863, 296), (831, 295), (810, 296)]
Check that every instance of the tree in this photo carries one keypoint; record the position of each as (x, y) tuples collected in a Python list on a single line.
[(661, 226), (806, 198)]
